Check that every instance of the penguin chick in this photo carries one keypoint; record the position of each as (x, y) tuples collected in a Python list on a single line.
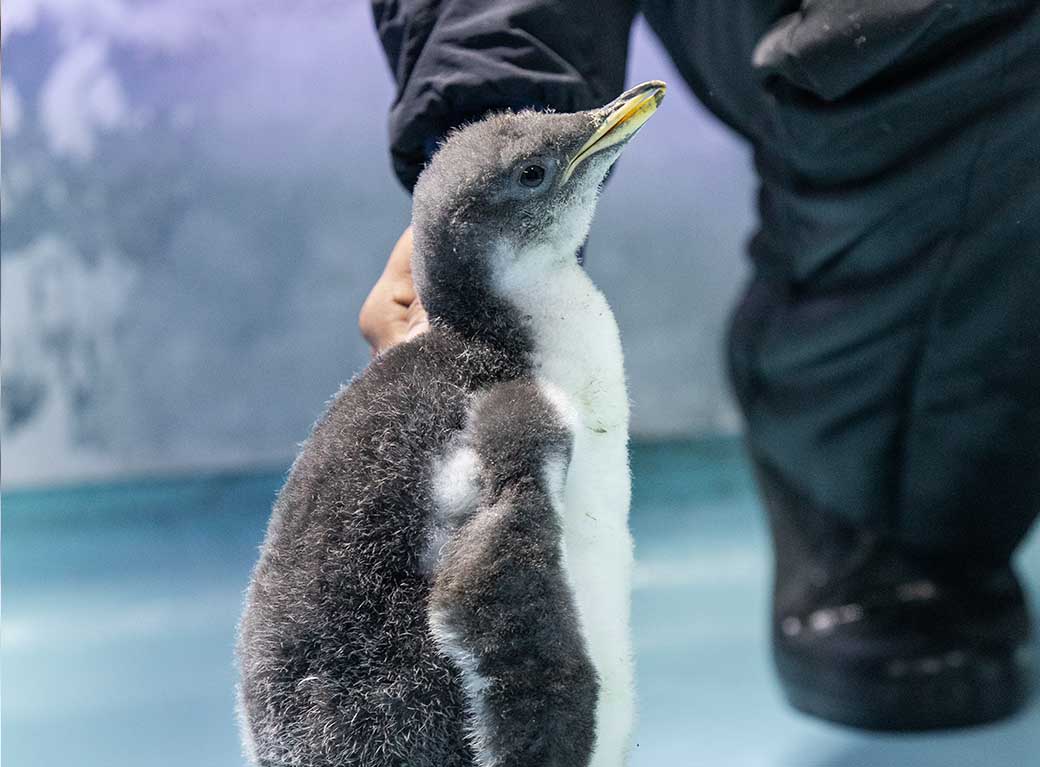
[(445, 577)]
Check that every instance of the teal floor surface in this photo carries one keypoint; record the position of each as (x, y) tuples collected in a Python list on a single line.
[(119, 607)]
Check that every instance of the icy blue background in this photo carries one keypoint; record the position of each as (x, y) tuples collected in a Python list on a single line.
[(197, 197)]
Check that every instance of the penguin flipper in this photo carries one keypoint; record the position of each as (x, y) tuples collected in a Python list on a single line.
[(501, 608)]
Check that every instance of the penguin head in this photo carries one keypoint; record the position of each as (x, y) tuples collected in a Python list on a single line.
[(508, 200)]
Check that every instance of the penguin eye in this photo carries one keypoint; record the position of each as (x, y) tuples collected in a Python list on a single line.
[(532, 175)]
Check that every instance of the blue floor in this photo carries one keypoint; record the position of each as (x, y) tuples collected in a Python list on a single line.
[(119, 606)]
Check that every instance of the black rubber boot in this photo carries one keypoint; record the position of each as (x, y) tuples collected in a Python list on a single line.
[(873, 637)]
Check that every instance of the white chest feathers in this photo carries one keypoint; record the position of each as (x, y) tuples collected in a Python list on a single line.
[(577, 363), (578, 360)]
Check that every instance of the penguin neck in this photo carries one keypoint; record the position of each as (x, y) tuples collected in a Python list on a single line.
[(460, 297), (574, 343)]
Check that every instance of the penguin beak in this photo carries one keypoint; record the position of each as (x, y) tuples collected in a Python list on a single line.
[(620, 120)]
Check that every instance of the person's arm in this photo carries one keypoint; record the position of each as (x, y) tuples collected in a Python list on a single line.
[(455, 61)]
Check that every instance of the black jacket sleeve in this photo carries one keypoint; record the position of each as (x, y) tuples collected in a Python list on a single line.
[(456, 60)]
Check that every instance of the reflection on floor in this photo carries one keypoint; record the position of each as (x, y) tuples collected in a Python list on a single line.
[(120, 604)]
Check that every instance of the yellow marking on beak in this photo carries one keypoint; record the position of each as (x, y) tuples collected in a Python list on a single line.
[(620, 125)]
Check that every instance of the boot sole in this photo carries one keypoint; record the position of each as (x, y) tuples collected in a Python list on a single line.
[(956, 690)]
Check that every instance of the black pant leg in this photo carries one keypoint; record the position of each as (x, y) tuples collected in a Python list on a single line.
[(909, 405), (970, 468), (887, 354)]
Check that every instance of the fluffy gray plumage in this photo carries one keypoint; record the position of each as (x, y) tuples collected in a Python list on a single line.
[(339, 662), (469, 204)]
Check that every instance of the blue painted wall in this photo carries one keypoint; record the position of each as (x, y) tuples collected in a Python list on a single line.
[(197, 196)]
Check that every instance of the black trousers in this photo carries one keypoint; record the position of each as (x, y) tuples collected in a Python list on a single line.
[(904, 397), (887, 352)]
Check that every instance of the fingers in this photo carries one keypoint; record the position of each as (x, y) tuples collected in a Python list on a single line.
[(417, 321), (399, 268), (392, 313)]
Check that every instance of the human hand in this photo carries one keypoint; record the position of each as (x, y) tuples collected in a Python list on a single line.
[(392, 313)]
